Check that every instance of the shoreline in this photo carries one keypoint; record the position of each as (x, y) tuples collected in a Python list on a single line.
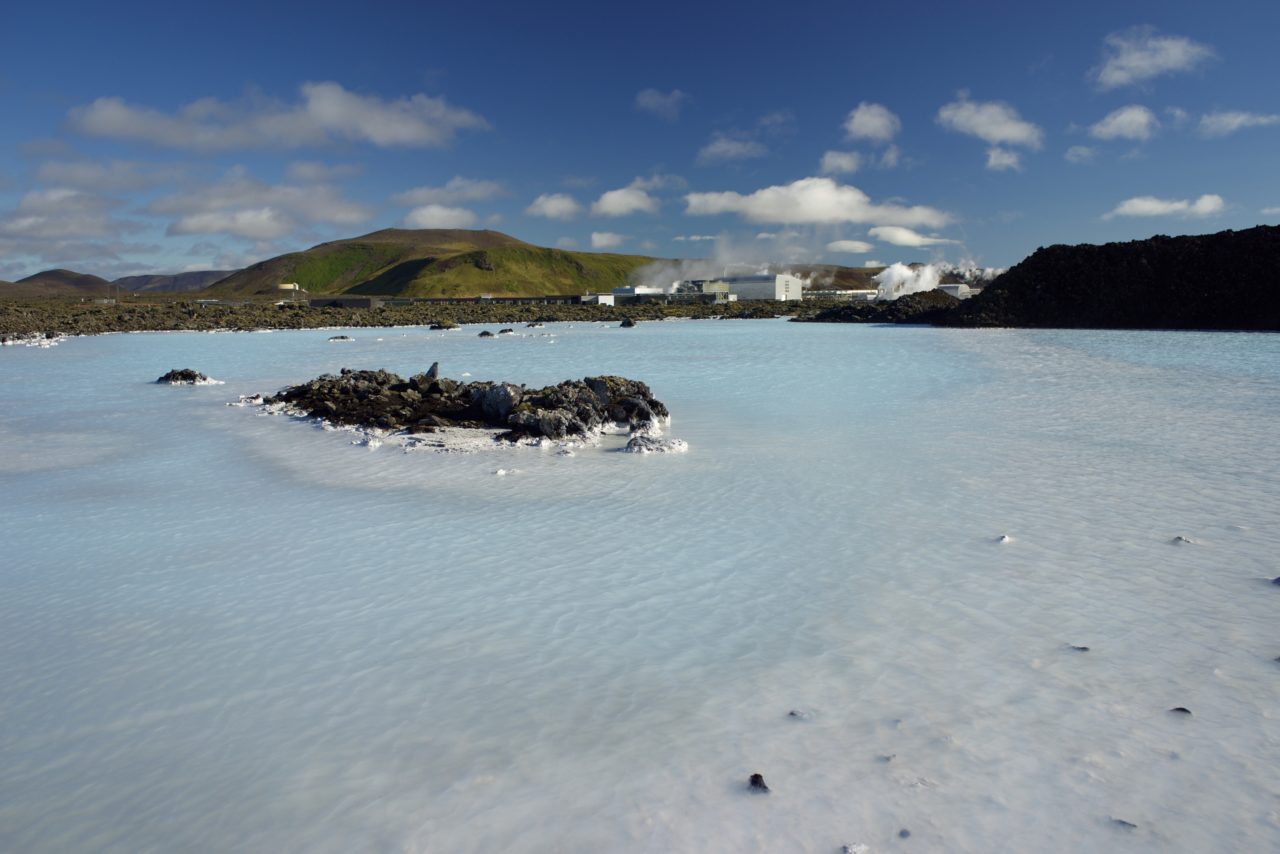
[(72, 318)]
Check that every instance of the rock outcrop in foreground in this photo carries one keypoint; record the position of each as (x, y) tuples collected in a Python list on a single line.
[(426, 403)]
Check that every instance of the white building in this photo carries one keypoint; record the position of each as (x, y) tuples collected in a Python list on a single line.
[(779, 286), (598, 299), (639, 291)]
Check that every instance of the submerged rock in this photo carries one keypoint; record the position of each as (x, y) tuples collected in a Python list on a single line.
[(341, 338), (655, 445), (1181, 710), (627, 323), (427, 402), (756, 783), (485, 334), (1127, 825)]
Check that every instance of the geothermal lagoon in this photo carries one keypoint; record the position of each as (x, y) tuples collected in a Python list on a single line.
[(950, 583)]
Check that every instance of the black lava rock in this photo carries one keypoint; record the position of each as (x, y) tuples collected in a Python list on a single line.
[(1181, 710), (627, 323), (756, 783), (182, 376), (427, 402)]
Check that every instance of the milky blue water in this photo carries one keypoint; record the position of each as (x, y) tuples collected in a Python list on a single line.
[(225, 631)]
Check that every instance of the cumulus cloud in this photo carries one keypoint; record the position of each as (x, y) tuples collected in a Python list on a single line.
[(64, 214), (1270, 211), (1080, 154), (251, 223), (1139, 54), (664, 105), (899, 236), (457, 190), (1229, 121), (1207, 205), (812, 201), (723, 148), (554, 206), (439, 216), (694, 238), (327, 112), (1131, 122), (624, 201), (994, 122), (1002, 159), (242, 206), (890, 157), (840, 162), (853, 247), (872, 122), (606, 240)]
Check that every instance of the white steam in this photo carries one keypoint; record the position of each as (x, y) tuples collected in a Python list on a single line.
[(898, 280)]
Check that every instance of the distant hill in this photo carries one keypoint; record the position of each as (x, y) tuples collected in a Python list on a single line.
[(176, 283), (1228, 280), (433, 263), (57, 283)]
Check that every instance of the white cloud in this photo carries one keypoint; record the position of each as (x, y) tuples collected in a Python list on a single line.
[(61, 214), (1177, 116), (242, 206), (694, 238), (457, 190), (315, 172), (1002, 159), (811, 200), (1270, 211), (439, 216), (1140, 54), (994, 122), (566, 243), (1080, 154), (1207, 205), (767, 235), (872, 122), (853, 247), (624, 201), (554, 206), (327, 112), (899, 236), (664, 105), (1229, 121), (874, 262), (840, 162), (253, 223), (724, 148), (1131, 122), (606, 240), (889, 159)]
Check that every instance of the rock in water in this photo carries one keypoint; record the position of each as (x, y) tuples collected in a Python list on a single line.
[(904, 833), (655, 445), (756, 783), (433, 372), (485, 334), (341, 338), (183, 376), (1181, 710), (1276, 580), (386, 401), (1127, 825), (627, 323)]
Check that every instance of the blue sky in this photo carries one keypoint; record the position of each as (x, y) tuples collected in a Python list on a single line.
[(150, 138)]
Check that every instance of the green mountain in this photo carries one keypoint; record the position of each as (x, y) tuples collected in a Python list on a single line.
[(433, 263)]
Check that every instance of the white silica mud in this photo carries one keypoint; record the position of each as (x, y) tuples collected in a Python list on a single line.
[(943, 590)]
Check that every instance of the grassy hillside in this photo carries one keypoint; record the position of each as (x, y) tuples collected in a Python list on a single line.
[(57, 283), (505, 271), (339, 265)]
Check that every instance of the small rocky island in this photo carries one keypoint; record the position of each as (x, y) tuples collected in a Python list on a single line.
[(185, 376), (428, 403)]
